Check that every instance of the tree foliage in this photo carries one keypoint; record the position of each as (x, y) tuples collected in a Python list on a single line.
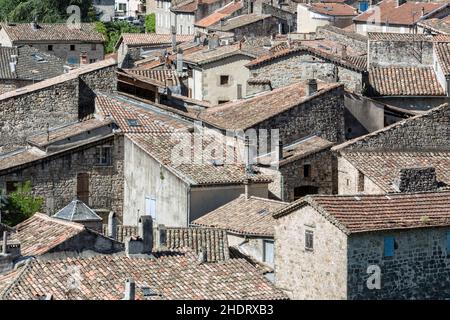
[(113, 30), (20, 205), (48, 11), (150, 23)]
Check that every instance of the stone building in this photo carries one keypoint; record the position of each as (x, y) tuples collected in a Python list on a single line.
[(57, 39), (132, 47), (435, 26), (352, 40), (231, 9), (53, 102), (313, 15), (373, 163), (24, 65), (81, 160), (249, 224), (323, 59), (392, 246), (217, 74), (409, 71), (398, 16)]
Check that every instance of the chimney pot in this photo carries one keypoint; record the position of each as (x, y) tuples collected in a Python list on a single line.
[(312, 87), (112, 225), (161, 236), (344, 51), (146, 233), (201, 255), (246, 188), (130, 290)]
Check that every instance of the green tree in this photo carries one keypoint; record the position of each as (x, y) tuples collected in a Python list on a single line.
[(113, 30), (21, 204), (150, 23)]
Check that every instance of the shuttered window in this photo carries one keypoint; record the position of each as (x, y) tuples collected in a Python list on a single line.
[(389, 243)]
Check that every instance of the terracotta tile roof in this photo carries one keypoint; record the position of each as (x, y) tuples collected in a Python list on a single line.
[(164, 77), (223, 12), (245, 113), (51, 32), (32, 64), (169, 276), (67, 131), (332, 9), (41, 233), (408, 13), (239, 21), (368, 213), (299, 149), (203, 170), (149, 39), (406, 37), (325, 49), (441, 26), (207, 55), (404, 81), (383, 167), (133, 119), (252, 216), (443, 54), (189, 6), (215, 241)]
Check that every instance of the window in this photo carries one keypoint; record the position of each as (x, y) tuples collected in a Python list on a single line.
[(93, 47), (50, 47), (122, 7), (306, 171), (389, 246), (72, 47), (103, 156), (224, 80), (309, 240), (268, 251), (92, 60)]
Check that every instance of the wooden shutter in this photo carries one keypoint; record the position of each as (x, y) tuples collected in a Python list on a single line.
[(83, 187)]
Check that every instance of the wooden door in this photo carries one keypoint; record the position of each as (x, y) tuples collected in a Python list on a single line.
[(83, 187)]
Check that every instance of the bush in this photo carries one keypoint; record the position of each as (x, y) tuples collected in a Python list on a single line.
[(150, 23), (112, 31), (21, 205)]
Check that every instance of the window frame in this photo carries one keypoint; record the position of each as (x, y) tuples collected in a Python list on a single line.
[(100, 156), (72, 46), (307, 170), (223, 76), (50, 47), (309, 242), (265, 243)]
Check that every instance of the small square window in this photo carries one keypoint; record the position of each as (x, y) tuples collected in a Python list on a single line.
[(103, 156), (389, 246), (309, 240), (50, 47), (306, 170), (72, 47), (224, 80)]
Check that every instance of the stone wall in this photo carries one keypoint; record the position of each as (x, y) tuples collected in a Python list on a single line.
[(352, 40), (262, 28), (301, 66), (402, 53), (27, 114), (55, 178), (72, 57), (419, 268), (305, 274), (10, 85), (429, 131), (416, 179), (323, 115)]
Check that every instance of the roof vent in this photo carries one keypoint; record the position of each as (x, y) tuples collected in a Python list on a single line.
[(133, 122), (263, 212), (148, 292)]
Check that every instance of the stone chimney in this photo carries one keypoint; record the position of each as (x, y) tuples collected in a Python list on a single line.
[(146, 233), (344, 51), (161, 237), (84, 58), (180, 61), (248, 156), (112, 225), (202, 255), (5, 242), (247, 189), (312, 87), (416, 180), (130, 290), (213, 42)]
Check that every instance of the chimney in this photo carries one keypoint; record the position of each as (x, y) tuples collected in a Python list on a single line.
[(249, 5), (180, 61), (34, 25), (312, 87), (416, 180), (248, 156), (344, 51), (5, 243), (213, 42), (201, 255), (146, 233), (112, 225), (13, 63), (246, 188), (174, 38), (423, 11), (84, 58), (161, 236), (222, 22), (130, 290)]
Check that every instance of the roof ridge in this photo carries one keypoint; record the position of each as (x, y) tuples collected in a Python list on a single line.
[(18, 277), (72, 224)]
